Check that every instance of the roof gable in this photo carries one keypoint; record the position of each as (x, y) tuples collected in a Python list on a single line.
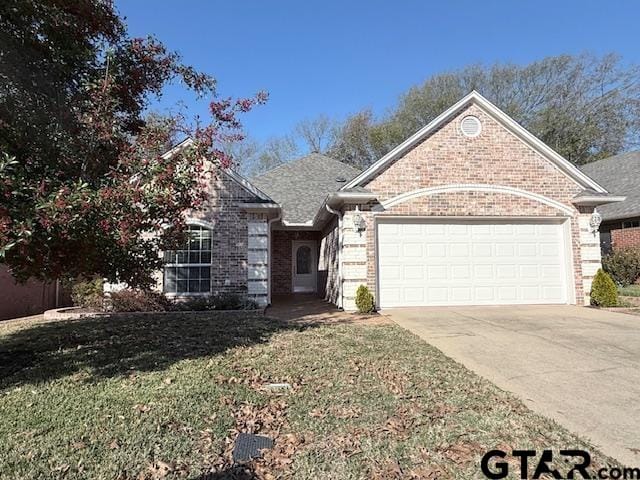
[(475, 98), (232, 174)]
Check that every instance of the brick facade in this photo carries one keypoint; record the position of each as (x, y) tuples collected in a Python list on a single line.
[(496, 157), (229, 223), (281, 267), (625, 237)]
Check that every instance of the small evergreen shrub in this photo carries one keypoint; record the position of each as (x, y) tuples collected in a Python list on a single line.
[(604, 292), (364, 300), (131, 300), (623, 265), (88, 294)]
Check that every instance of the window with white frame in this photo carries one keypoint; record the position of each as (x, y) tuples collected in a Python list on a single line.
[(188, 269)]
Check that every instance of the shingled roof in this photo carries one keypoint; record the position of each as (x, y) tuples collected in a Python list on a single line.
[(620, 175), (302, 185)]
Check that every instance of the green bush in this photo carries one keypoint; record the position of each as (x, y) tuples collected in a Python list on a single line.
[(364, 300), (131, 300), (604, 292), (623, 265), (88, 293)]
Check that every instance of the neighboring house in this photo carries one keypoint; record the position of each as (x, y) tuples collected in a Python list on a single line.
[(30, 298), (620, 221), (471, 210)]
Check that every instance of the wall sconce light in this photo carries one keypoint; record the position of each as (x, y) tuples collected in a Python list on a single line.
[(596, 220), (359, 223)]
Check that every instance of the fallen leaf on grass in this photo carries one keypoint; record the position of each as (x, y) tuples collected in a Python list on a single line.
[(388, 470), (317, 413), (141, 408), (462, 452), (156, 471)]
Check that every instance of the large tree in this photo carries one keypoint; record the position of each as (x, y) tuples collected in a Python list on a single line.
[(86, 188), (586, 107)]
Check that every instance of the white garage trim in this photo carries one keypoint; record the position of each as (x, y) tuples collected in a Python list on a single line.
[(475, 187), (563, 278)]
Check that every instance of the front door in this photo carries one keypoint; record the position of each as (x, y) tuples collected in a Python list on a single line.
[(305, 273)]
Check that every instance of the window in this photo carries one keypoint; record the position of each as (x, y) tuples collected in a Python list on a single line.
[(631, 224), (303, 260), (188, 270)]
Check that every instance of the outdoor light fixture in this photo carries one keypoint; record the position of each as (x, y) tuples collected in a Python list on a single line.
[(596, 220), (359, 223)]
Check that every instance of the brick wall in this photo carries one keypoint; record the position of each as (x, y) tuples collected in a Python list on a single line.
[(495, 157), (229, 233), (281, 257), (625, 237)]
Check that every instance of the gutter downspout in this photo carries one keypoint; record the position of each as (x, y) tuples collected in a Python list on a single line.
[(339, 215), (269, 223)]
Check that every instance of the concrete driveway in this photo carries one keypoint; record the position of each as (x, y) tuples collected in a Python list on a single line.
[(577, 365)]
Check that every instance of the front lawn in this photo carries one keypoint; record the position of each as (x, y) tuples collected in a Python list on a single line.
[(164, 396)]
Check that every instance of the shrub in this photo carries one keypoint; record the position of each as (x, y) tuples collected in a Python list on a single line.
[(623, 265), (364, 300), (130, 300), (88, 293), (217, 302), (604, 292)]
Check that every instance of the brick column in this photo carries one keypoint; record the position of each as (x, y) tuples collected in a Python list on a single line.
[(354, 260), (589, 254)]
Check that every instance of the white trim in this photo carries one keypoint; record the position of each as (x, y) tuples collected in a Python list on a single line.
[(475, 187), (187, 142), (308, 223), (563, 164), (594, 200), (246, 184), (313, 246), (199, 223), (569, 266)]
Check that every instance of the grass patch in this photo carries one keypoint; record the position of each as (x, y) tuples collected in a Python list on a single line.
[(163, 397), (630, 291)]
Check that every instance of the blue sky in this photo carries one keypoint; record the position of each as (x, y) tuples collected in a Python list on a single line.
[(337, 57)]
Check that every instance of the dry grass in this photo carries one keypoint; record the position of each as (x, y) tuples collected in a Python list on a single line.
[(164, 396)]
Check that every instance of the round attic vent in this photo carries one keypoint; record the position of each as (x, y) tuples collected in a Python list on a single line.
[(341, 179), (470, 126)]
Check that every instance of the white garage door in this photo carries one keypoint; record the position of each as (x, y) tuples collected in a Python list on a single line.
[(471, 263)]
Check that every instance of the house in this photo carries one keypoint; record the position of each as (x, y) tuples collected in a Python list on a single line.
[(470, 210), (619, 174)]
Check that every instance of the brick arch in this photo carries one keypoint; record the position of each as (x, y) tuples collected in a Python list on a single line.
[(484, 189)]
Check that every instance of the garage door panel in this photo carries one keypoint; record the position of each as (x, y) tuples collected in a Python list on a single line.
[(477, 262), (459, 250), (436, 250)]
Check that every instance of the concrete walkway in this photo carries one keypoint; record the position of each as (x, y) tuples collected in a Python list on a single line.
[(579, 366)]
